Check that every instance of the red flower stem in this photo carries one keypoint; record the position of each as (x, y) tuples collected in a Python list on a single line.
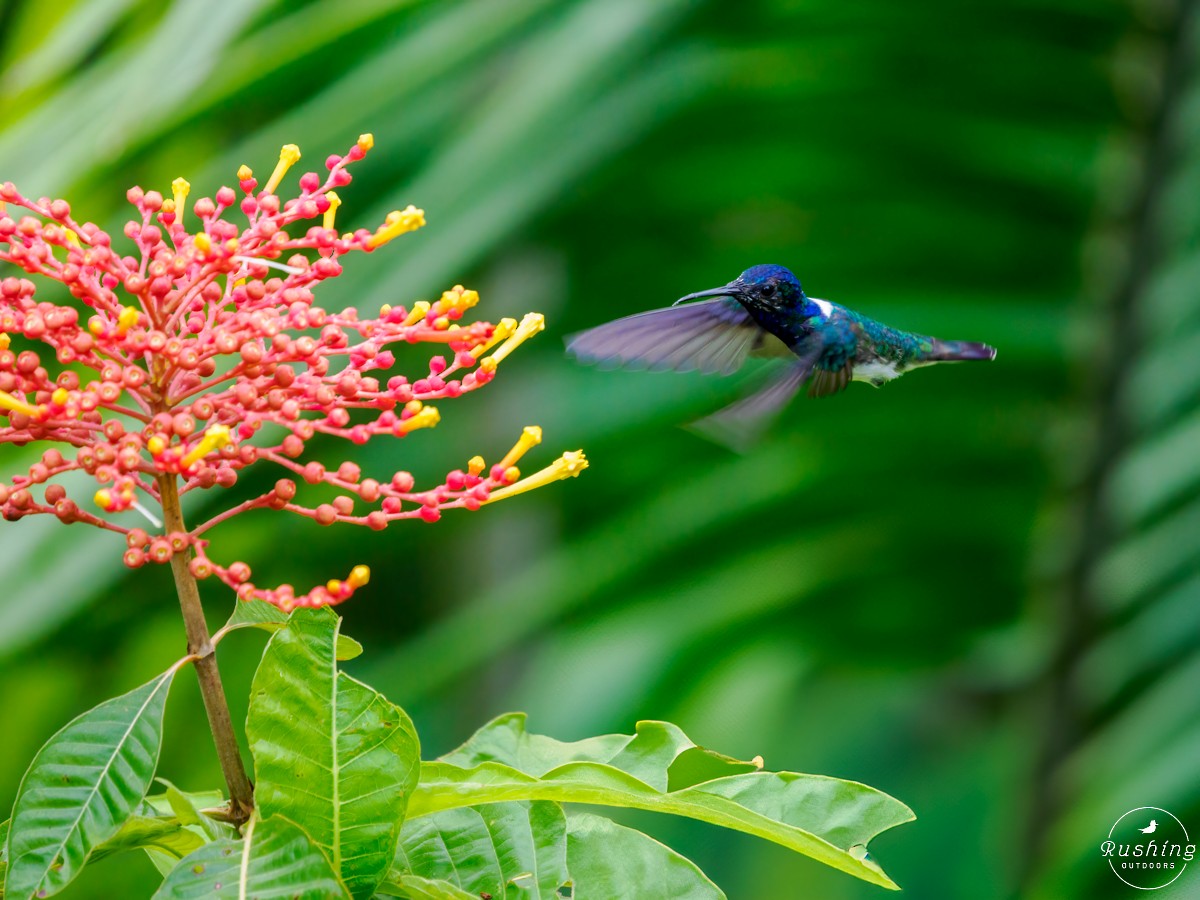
[(242, 507), (241, 794)]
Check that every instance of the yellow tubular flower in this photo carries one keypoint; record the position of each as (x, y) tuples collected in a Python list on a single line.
[(427, 417), (9, 402), (475, 465), (289, 155), (419, 311), (397, 223), (334, 202), (569, 465), (530, 437), (459, 298), (216, 437), (126, 320), (503, 330), (359, 576), (179, 191), (530, 325), (5, 340)]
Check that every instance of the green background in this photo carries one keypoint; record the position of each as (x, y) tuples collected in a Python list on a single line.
[(977, 589)]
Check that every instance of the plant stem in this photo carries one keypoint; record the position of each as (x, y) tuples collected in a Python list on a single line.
[(241, 795)]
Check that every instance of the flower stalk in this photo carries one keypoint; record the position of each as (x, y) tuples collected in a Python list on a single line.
[(241, 794), (175, 367)]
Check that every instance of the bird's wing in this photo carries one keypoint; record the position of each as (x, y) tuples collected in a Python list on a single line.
[(741, 424), (830, 381), (835, 364), (714, 336)]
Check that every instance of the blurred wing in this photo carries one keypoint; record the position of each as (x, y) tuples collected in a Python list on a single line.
[(827, 382), (714, 336), (837, 368), (740, 424)]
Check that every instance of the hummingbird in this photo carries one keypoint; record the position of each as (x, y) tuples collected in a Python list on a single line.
[(764, 312)]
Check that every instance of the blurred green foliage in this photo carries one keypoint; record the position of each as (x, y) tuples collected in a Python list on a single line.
[(977, 589)]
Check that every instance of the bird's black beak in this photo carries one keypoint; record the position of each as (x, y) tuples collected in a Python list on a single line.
[(733, 289)]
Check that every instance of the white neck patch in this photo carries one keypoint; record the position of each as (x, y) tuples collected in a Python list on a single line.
[(824, 306)]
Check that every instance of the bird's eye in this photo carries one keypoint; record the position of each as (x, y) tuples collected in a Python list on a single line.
[(768, 290)]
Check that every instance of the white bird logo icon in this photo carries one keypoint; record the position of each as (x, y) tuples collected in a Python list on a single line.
[(1149, 829)]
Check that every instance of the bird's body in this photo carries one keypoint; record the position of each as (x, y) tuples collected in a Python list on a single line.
[(877, 353), (765, 312), (1149, 829)]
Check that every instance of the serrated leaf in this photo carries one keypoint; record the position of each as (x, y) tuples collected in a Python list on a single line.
[(84, 783), (825, 818), (330, 752), (503, 849), (610, 860), (274, 859), (261, 614)]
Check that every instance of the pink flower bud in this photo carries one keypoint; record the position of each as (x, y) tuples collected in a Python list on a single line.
[(369, 490)]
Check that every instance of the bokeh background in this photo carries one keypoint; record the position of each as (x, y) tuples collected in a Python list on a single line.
[(977, 589)]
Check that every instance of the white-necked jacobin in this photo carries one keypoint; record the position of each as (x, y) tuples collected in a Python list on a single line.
[(765, 312)]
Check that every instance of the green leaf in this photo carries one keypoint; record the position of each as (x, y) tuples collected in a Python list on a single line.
[(658, 769), (610, 860), (531, 850), (3, 853), (330, 752), (163, 833), (82, 787), (414, 887), (261, 614), (659, 754), (274, 859), (502, 849), (187, 807)]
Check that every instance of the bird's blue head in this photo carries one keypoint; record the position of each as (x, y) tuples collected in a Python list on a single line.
[(762, 289)]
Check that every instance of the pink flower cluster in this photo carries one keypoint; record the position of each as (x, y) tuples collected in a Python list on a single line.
[(204, 352)]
